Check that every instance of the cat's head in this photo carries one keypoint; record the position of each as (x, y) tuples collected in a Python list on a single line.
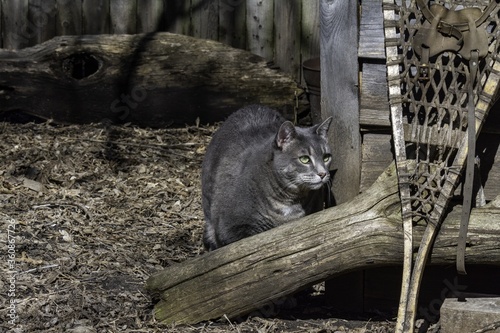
[(302, 155)]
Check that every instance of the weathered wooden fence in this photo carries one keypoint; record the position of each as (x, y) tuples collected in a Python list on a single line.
[(283, 31)]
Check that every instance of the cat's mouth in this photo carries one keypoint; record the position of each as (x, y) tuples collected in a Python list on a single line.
[(317, 182)]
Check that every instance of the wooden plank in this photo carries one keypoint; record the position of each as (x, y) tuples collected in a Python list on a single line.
[(260, 22), (16, 33), (339, 99), (205, 18), (95, 17), (287, 16), (371, 30), (377, 155), (42, 20), (69, 17), (177, 17), (123, 16), (374, 101), (232, 23), (309, 43), (339, 93), (150, 16)]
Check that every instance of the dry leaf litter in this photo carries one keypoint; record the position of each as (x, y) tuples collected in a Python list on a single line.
[(90, 211)]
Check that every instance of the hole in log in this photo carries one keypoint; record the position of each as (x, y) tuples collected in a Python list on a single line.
[(81, 65), (4, 89)]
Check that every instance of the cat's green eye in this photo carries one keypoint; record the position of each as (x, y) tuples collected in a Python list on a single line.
[(304, 159), (327, 158)]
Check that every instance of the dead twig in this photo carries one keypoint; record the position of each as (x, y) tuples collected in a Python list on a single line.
[(63, 204), (180, 146), (489, 328), (37, 269)]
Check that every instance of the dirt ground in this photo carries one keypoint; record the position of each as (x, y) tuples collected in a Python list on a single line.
[(90, 211)]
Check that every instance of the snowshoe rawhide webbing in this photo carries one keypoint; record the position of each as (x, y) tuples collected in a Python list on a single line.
[(442, 70)]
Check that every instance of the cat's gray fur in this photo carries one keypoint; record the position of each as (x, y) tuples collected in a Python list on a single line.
[(252, 176)]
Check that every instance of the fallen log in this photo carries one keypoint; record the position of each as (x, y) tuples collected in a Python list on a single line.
[(363, 233), (148, 79)]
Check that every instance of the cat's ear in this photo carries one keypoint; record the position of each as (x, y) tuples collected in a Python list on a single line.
[(285, 135), (322, 129)]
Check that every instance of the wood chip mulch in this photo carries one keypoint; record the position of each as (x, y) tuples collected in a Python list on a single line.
[(89, 212)]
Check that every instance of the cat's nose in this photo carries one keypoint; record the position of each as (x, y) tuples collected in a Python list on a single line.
[(322, 175)]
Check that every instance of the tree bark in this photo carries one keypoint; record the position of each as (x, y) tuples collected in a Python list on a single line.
[(363, 233), (150, 80)]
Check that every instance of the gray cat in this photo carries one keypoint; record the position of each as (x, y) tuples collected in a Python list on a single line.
[(261, 171)]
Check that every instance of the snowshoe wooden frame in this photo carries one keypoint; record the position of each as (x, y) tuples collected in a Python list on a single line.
[(430, 94)]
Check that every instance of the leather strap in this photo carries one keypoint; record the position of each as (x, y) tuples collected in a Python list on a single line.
[(453, 26), (469, 172), (457, 31), (452, 30)]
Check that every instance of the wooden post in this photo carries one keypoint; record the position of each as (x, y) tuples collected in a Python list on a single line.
[(339, 92), (339, 98)]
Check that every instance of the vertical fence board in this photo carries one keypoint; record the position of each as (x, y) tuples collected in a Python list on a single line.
[(41, 20), (232, 24), (16, 34), (287, 36), (260, 26), (339, 92), (95, 17), (339, 99), (178, 17), (69, 17), (205, 18), (123, 16), (150, 15), (309, 44)]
